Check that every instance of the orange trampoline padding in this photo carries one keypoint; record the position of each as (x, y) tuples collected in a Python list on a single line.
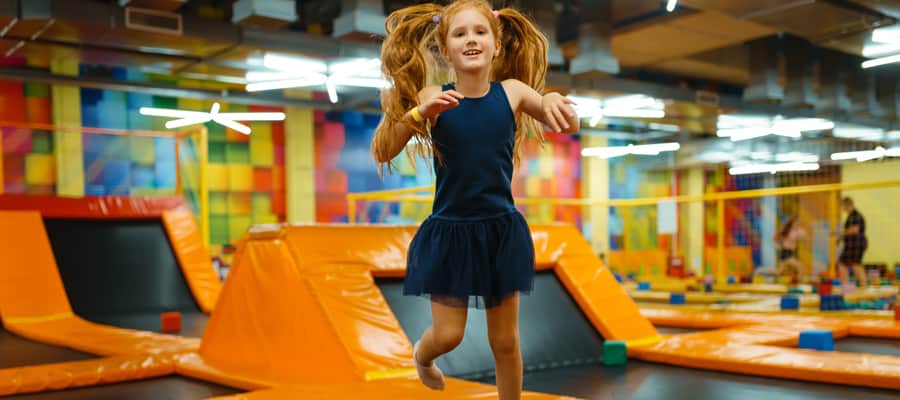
[(70, 375), (884, 327), (33, 301), (306, 292), (187, 243), (777, 362), (92, 207), (393, 389)]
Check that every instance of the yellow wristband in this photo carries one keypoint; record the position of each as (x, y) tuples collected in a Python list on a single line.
[(415, 114)]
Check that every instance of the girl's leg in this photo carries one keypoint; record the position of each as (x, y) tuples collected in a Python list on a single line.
[(503, 335), (860, 273), (448, 325)]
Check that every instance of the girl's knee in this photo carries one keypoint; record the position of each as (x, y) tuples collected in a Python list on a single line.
[(506, 343), (447, 339)]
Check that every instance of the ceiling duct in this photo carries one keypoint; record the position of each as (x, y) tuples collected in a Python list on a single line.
[(594, 36), (156, 21), (800, 64), (888, 92), (360, 20), (834, 71), (865, 101), (265, 14), (546, 18), (161, 5), (764, 84)]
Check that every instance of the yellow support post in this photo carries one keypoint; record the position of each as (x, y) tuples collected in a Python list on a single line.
[(351, 210), (719, 267), (626, 227), (833, 216), (203, 185)]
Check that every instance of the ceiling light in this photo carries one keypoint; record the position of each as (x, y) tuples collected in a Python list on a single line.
[(296, 72), (867, 155), (772, 168), (617, 151), (876, 62), (670, 5), (185, 118)]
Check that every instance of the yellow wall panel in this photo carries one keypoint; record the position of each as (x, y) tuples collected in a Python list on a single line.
[(217, 176), (40, 169), (240, 177)]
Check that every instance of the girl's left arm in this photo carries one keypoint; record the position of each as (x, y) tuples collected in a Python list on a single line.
[(553, 109)]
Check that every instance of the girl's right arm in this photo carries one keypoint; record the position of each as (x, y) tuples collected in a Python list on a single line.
[(387, 144)]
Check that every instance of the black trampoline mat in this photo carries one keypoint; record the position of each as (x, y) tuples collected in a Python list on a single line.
[(854, 344), (165, 388), (112, 268), (16, 351), (561, 353), (545, 315)]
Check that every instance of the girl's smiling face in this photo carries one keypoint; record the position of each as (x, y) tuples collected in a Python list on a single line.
[(470, 42)]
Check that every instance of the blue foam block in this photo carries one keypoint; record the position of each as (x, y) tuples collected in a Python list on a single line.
[(643, 285), (618, 277), (731, 280), (676, 298), (707, 287), (790, 302), (835, 282), (831, 302), (816, 340)]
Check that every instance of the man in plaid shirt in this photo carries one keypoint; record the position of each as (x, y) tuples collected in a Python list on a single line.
[(855, 243)]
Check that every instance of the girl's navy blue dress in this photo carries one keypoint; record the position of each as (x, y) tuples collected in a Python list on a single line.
[(475, 248)]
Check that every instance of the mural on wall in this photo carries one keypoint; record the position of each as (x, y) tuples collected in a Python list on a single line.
[(28, 165), (344, 165), (245, 172), (630, 178), (551, 169)]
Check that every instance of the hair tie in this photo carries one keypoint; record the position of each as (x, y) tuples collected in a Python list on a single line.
[(496, 13), (436, 18)]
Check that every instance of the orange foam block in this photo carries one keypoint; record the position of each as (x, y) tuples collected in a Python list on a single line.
[(170, 322)]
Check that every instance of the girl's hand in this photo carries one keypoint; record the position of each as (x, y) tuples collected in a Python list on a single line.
[(439, 103), (557, 111)]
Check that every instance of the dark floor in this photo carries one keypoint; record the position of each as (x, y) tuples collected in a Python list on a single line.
[(650, 381), (18, 352), (165, 388), (888, 347), (192, 323)]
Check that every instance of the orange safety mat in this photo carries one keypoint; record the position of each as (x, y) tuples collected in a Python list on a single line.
[(193, 257), (300, 292), (868, 326), (393, 389), (747, 345), (70, 375), (33, 304), (92, 207), (777, 362)]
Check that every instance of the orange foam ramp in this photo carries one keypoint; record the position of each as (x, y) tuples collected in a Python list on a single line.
[(307, 292), (33, 301), (193, 257)]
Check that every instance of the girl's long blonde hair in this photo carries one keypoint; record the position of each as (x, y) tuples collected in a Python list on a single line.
[(411, 60)]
